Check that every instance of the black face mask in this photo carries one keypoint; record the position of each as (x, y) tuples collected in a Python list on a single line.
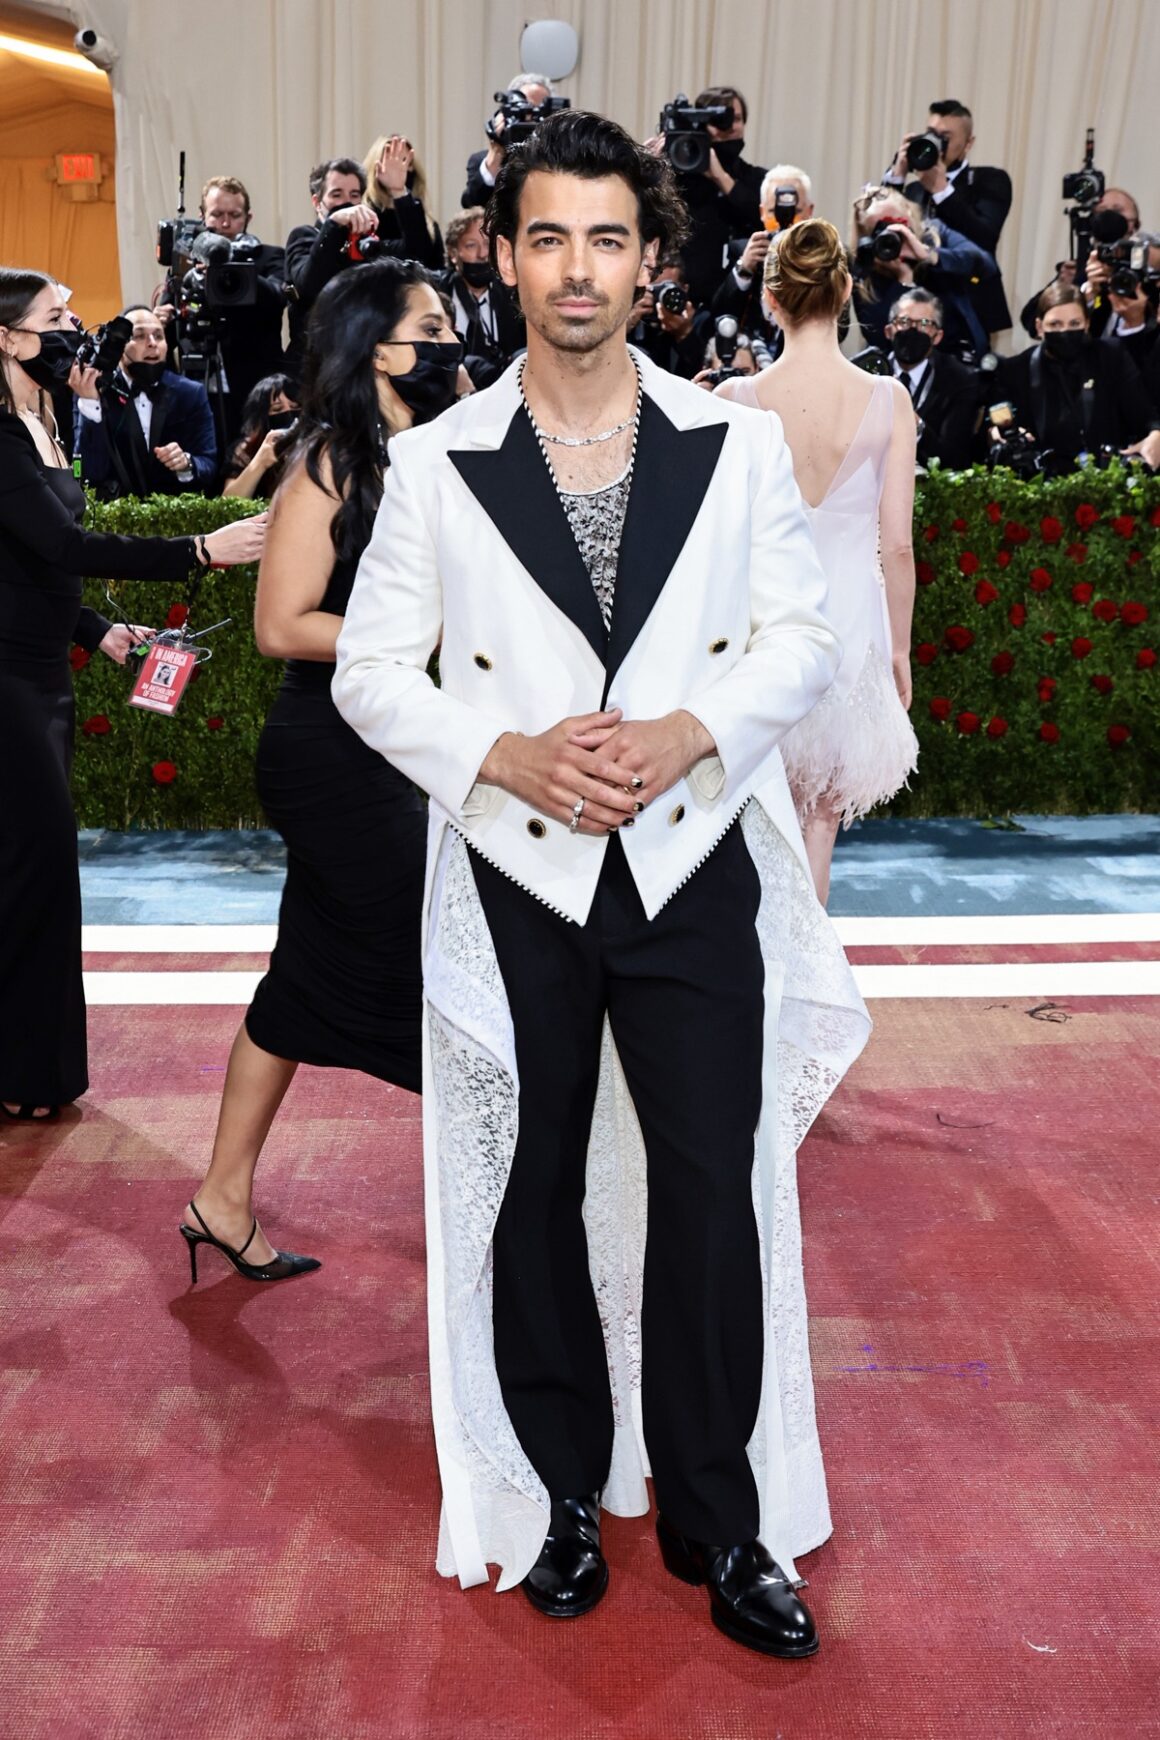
[(911, 346), (145, 375), (1109, 226), (283, 419), (429, 387), (477, 273), (52, 364), (1064, 347), (728, 151)]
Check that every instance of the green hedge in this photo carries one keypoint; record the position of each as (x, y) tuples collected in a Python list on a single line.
[(1036, 627)]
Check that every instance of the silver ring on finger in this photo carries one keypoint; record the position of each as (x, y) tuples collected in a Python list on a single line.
[(577, 812)]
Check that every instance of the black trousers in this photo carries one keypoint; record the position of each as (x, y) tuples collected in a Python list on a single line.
[(684, 996)]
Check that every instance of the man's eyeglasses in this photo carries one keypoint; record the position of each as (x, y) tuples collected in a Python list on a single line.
[(903, 323)]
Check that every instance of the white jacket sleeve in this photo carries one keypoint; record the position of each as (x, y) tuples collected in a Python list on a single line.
[(793, 654), (392, 627)]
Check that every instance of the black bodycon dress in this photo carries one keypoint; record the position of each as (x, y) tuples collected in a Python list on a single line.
[(344, 989), (43, 553)]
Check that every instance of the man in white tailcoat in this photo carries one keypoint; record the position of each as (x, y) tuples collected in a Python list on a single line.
[(631, 994)]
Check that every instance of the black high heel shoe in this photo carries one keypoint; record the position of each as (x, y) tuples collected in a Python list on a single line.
[(30, 1115), (284, 1265)]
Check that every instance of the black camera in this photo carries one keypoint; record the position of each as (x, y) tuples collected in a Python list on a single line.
[(873, 361), (103, 348), (368, 247), (924, 151), (671, 297), (882, 244), (226, 271), (175, 239), (685, 131), (521, 118), (727, 341), (785, 207)]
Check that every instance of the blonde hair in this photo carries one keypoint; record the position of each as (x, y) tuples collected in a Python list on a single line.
[(378, 196), (866, 213), (806, 270)]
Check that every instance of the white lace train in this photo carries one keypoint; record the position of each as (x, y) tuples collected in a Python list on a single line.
[(495, 1509)]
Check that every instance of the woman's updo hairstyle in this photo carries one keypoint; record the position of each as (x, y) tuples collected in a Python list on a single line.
[(806, 270)]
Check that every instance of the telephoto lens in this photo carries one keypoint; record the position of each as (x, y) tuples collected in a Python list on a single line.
[(672, 298), (924, 152)]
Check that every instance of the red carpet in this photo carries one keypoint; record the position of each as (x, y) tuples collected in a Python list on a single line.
[(218, 1506)]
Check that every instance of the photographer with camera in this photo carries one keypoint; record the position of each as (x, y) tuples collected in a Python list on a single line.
[(1072, 397), (150, 432), (227, 295), (1105, 222), (485, 314), (346, 232), (527, 92), (786, 198), (705, 141), (945, 393), (893, 247), (666, 324), (934, 169), (254, 468)]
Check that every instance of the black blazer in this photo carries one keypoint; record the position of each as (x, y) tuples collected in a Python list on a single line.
[(484, 361), (948, 403), (181, 413), (477, 192), (317, 252), (977, 208), (1121, 410), (717, 219), (44, 551)]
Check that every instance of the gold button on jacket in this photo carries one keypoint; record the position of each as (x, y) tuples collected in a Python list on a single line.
[(536, 828), (678, 815), (482, 660)]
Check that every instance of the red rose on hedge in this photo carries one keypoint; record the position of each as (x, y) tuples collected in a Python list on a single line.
[(1003, 558), (1050, 530), (930, 533), (1077, 552), (1124, 525), (1002, 663), (1040, 580), (1085, 515), (996, 727), (968, 723), (1102, 685), (1082, 592), (1154, 517), (1104, 610), (1015, 533), (1046, 690), (1118, 734), (995, 512), (164, 772), (968, 563), (1048, 639), (959, 638), (1145, 659), (985, 593), (958, 525), (178, 616), (926, 653), (1049, 732), (97, 726), (1017, 615), (940, 707), (1080, 648), (1134, 613), (78, 658), (923, 573), (1135, 556), (214, 722)]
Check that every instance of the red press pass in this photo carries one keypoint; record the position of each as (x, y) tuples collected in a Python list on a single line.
[(161, 684)]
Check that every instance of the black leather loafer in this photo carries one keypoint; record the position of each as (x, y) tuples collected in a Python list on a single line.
[(750, 1598), (571, 1574)]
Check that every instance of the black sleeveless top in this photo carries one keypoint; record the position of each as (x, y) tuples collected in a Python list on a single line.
[(313, 676)]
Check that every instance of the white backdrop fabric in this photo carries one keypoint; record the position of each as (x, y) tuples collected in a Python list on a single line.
[(264, 88)]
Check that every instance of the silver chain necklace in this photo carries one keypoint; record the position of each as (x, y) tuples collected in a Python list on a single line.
[(585, 440)]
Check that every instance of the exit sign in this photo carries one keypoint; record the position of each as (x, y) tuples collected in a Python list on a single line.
[(78, 168)]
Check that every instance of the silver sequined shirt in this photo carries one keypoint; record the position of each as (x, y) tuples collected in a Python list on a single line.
[(597, 521)]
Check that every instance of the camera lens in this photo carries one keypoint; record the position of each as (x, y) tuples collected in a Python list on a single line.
[(887, 245), (924, 152)]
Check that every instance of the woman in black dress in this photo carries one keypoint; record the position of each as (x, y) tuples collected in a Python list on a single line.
[(344, 988), (43, 553)]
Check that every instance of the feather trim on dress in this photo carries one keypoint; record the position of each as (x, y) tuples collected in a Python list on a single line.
[(856, 752)]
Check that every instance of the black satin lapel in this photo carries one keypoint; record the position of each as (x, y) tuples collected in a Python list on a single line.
[(162, 400), (674, 468), (514, 487)]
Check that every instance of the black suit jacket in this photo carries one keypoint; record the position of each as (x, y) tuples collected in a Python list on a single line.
[(717, 219), (948, 402), (977, 208), (477, 192), (317, 252), (181, 413), (485, 361), (1121, 409)]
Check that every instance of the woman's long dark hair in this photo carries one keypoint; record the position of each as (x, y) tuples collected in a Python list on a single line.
[(340, 417), (18, 291)]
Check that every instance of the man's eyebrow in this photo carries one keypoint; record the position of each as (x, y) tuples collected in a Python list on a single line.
[(544, 226)]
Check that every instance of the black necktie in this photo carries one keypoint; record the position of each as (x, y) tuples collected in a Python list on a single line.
[(905, 379)]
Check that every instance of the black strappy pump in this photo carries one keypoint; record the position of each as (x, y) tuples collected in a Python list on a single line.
[(284, 1265), (30, 1115)]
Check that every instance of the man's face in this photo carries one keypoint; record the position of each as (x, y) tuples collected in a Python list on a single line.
[(225, 213), (535, 94), (577, 259), (955, 131), (471, 246), (736, 131), (148, 341), (919, 315), (804, 210), (338, 190)]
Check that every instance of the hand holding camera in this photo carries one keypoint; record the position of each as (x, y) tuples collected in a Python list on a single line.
[(360, 220), (921, 157), (675, 313), (752, 260)]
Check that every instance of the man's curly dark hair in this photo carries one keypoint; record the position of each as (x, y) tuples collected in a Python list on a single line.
[(572, 142)]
